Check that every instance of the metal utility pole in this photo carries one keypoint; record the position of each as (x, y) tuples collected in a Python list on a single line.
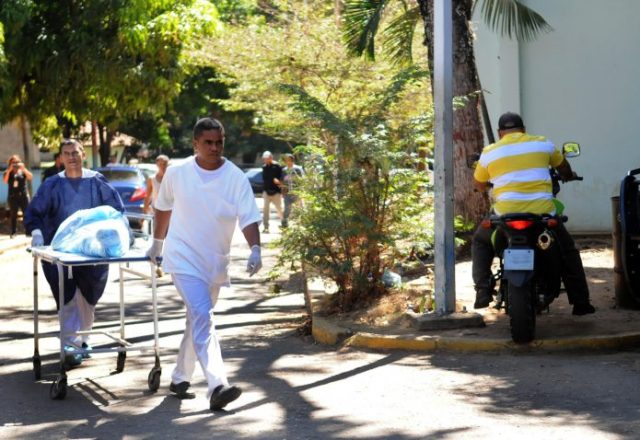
[(445, 294)]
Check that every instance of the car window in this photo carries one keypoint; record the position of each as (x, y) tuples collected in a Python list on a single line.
[(120, 175), (252, 172), (147, 172)]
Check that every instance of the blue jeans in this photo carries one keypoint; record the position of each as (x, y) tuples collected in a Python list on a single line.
[(289, 201)]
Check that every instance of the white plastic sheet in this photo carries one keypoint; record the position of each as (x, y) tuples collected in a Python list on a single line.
[(95, 232)]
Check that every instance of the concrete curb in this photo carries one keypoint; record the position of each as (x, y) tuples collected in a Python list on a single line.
[(6, 246), (328, 333)]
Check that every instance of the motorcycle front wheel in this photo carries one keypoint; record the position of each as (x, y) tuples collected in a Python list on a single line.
[(522, 313)]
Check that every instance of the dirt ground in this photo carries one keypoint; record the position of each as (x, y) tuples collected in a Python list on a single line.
[(387, 314)]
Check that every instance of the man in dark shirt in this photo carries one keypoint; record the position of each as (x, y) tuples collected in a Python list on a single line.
[(271, 175), (55, 168)]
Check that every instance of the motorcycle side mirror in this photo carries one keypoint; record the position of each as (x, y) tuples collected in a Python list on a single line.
[(571, 149), (472, 160)]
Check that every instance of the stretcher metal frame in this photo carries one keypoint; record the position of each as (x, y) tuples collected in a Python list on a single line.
[(58, 388)]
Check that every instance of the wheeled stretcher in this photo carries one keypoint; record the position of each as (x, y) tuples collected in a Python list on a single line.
[(58, 388)]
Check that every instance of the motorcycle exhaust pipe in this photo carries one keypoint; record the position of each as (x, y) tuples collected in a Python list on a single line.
[(545, 240)]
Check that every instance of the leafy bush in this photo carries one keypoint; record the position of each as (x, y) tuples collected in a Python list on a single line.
[(364, 201)]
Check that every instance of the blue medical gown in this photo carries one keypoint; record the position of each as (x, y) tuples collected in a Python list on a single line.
[(56, 199)]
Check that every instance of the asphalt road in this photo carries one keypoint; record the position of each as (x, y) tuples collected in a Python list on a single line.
[(295, 389)]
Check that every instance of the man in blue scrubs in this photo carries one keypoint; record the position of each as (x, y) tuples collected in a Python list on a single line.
[(57, 198)]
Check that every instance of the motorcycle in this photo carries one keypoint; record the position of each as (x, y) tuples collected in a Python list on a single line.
[(529, 277)]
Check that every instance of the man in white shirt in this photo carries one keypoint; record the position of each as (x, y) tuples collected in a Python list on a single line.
[(201, 200)]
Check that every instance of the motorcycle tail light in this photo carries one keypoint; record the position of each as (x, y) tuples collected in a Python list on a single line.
[(519, 225), (486, 223), (552, 222), (138, 194)]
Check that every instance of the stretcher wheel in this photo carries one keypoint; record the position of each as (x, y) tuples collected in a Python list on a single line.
[(37, 370), (58, 390), (154, 378), (122, 357)]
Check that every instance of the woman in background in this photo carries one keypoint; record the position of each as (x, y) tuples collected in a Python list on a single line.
[(16, 176)]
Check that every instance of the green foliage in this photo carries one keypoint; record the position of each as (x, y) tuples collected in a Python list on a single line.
[(363, 20), (301, 46), (47, 134), (103, 60), (365, 204), (513, 18), (360, 126), (399, 36), (171, 131), (236, 11)]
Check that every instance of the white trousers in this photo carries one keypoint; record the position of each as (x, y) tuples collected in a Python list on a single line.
[(199, 340), (276, 199), (77, 315)]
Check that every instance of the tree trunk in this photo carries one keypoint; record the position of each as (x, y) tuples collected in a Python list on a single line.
[(26, 151), (467, 127), (94, 145), (338, 7), (104, 140)]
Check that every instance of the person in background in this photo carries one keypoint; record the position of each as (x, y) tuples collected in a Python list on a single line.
[(271, 176), (199, 204), (290, 175), (60, 196), (16, 176), (153, 188), (113, 161), (55, 168), (153, 183)]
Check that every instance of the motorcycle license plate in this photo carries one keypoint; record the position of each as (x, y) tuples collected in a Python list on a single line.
[(518, 259)]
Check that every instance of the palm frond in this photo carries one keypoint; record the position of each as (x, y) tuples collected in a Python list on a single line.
[(398, 36), (313, 109), (361, 22), (399, 82), (381, 106), (512, 18)]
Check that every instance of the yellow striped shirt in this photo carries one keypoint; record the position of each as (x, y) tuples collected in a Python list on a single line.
[(518, 167)]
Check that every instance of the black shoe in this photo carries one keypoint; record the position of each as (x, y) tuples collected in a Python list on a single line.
[(483, 299), (181, 390), (223, 395), (87, 348), (72, 358), (583, 309)]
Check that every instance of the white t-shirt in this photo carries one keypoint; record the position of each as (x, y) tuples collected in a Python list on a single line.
[(205, 207)]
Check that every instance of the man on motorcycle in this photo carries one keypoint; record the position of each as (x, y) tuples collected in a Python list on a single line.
[(517, 169)]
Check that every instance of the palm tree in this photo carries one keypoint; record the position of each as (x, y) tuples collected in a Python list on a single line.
[(362, 20)]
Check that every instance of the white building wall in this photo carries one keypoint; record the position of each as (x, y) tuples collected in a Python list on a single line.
[(580, 82)]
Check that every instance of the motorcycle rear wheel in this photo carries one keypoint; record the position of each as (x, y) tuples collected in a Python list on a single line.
[(522, 313)]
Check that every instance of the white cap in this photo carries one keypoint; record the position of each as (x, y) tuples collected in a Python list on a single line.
[(266, 154)]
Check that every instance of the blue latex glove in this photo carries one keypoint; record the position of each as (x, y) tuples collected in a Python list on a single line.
[(155, 251), (254, 264)]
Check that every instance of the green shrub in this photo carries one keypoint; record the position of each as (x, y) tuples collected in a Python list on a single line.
[(364, 202)]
